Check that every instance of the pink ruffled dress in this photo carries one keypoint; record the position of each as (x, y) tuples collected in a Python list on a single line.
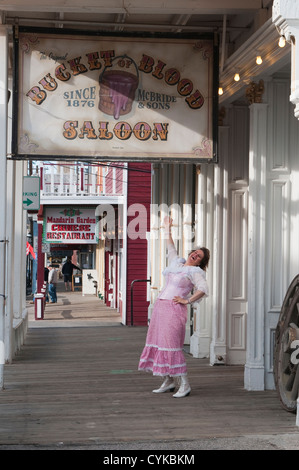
[(163, 351)]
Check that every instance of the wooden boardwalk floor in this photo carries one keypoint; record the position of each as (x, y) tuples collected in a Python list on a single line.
[(75, 382)]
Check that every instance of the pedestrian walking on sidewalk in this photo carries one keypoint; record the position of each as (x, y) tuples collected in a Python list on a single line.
[(46, 280), (67, 271), (52, 279), (163, 352)]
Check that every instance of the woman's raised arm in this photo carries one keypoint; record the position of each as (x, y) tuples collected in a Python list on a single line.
[(168, 224)]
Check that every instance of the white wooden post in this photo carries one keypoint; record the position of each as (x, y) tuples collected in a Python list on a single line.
[(52, 185), (218, 348), (163, 200), (154, 240), (93, 180), (61, 190), (20, 243), (3, 197), (201, 337), (11, 184), (254, 367)]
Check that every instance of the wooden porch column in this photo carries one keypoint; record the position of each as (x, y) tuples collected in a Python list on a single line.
[(218, 347), (3, 196), (254, 367)]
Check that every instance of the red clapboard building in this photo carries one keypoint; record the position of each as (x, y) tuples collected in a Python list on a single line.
[(139, 192)]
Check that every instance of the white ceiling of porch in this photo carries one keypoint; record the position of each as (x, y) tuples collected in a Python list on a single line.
[(235, 21), (239, 17)]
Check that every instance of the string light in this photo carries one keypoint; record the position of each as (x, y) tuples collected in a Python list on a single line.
[(282, 41), (259, 60)]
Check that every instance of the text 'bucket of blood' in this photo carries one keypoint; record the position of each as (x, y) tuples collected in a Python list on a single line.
[(118, 87)]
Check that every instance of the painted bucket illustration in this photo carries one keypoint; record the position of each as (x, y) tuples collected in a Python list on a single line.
[(117, 90)]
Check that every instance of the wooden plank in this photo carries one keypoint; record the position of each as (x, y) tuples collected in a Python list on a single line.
[(80, 385)]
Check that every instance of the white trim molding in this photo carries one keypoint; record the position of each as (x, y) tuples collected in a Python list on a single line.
[(285, 16)]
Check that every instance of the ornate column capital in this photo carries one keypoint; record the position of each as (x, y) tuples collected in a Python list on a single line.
[(254, 92)]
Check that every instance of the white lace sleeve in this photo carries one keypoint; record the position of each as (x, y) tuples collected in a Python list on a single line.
[(200, 283), (172, 254)]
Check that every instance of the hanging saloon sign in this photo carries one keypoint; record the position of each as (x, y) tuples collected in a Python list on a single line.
[(114, 98)]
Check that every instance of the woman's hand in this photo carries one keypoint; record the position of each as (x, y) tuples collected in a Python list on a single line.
[(179, 300)]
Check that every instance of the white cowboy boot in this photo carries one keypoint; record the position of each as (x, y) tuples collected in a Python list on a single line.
[(184, 389), (167, 385)]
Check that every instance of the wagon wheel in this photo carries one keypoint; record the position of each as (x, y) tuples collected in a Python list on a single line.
[(286, 370)]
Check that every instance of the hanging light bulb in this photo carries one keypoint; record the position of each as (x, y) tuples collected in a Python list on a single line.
[(237, 77), (220, 90), (259, 60), (282, 41)]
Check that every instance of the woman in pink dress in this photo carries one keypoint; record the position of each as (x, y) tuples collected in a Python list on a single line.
[(163, 352)]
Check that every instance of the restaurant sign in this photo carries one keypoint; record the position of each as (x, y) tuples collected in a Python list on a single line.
[(67, 225), (115, 97)]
